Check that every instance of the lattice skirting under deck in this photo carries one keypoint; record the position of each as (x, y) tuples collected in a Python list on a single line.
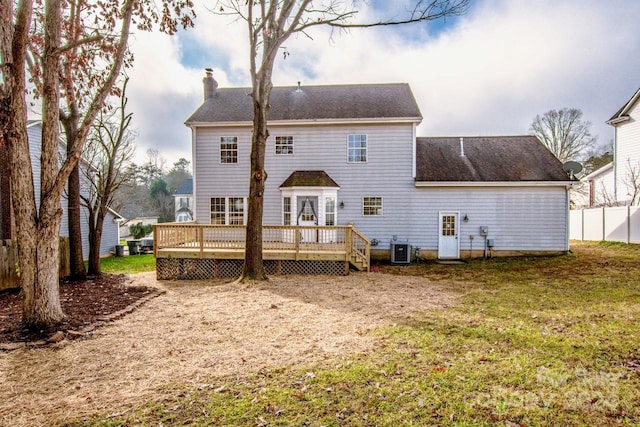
[(196, 269)]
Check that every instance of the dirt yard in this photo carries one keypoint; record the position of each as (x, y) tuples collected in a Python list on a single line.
[(199, 333)]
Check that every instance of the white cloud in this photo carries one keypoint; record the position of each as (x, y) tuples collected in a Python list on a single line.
[(491, 73)]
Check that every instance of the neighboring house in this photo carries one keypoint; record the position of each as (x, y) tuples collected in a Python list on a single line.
[(183, 197), (626, 152), (110, 236), (349, 154), (597, 188)]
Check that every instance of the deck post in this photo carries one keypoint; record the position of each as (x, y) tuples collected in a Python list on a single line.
[(298, 234), (348, 243), (201, 239)]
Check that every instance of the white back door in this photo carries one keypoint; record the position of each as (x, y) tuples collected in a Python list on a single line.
[(448, 241)]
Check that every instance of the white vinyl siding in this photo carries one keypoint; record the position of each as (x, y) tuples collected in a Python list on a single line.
[(627, 155), (519, 218)]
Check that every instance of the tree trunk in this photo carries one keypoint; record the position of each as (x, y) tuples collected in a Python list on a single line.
[(76, 260), (96, 221), (253, 262), (38, 241)]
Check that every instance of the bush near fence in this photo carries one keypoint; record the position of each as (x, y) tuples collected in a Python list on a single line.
[(9, 262), (615, 224)]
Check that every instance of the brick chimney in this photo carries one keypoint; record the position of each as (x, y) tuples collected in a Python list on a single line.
[(210, 84)]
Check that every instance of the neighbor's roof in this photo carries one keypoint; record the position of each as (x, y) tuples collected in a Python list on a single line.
[(622, 114), (335, 102), (309, 179), (185, 188), (486, 159)]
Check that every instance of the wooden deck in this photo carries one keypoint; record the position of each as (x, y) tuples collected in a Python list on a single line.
[(297, 243)]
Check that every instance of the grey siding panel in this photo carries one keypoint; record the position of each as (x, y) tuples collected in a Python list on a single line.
[(387, 172), (531, 218), (110, 231), (109, 235)]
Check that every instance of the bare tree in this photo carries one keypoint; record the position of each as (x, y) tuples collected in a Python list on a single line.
[(37, 228), (631, 181), (270, 23), (564, 133), (108, 151)]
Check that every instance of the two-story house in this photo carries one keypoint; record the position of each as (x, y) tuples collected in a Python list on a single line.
[(624, 185), (349, 154)]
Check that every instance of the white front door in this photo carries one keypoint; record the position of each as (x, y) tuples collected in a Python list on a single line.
[(308, 216), (448, 241)]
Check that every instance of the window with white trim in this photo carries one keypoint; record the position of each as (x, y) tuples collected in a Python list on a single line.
[(372, 206), (329, 211), (229, 149), (284, 145), (228, 210), (357, 149), (286, 211), (218, 210)]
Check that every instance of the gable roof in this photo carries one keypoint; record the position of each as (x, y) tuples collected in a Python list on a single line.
[(317, 103), (598, 172), (185, 188), (486, 159), (309, 179), (622, 114)]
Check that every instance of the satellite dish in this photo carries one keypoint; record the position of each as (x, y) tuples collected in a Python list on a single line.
[(572, 168)]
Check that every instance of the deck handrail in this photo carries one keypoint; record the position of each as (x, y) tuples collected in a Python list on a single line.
[(291, 238)]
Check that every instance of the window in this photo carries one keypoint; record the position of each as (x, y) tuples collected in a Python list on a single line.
[(448, 225), (229, 149), (227, 210), (307, 211), (357, 149), (286, 211), (329, 211), (184, 202), (284, 145), (236, 211), (372, 206), (218, 211)]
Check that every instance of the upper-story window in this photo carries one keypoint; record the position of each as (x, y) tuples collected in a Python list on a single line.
[(357, 148), (229, 149), (372, 206), (284, 145)]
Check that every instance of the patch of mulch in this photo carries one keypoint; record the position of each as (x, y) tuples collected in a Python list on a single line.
[(84, 303)]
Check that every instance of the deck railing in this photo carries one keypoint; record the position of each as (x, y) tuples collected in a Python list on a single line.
[(345, 240)]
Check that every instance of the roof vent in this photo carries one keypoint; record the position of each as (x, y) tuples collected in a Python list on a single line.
[(299, 89), (461, 147)]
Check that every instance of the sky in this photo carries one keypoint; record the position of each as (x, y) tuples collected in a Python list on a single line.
[(488, 72)]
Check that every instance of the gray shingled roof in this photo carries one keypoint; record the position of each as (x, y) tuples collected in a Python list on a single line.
[(627, 105), (313, 103), (185, 188), (486, 159), (309, 179)]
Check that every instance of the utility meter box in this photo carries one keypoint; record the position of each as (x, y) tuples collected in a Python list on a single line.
[(484, 230)]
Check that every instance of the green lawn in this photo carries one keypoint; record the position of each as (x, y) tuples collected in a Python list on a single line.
[(534, 341), (128, 264)]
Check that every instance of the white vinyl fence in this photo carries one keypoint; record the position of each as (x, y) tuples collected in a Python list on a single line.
[(620, 224)]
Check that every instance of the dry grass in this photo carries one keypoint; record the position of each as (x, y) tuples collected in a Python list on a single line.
[(202, 330)]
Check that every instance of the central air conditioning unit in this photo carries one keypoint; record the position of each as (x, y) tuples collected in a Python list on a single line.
[(400, 252)]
